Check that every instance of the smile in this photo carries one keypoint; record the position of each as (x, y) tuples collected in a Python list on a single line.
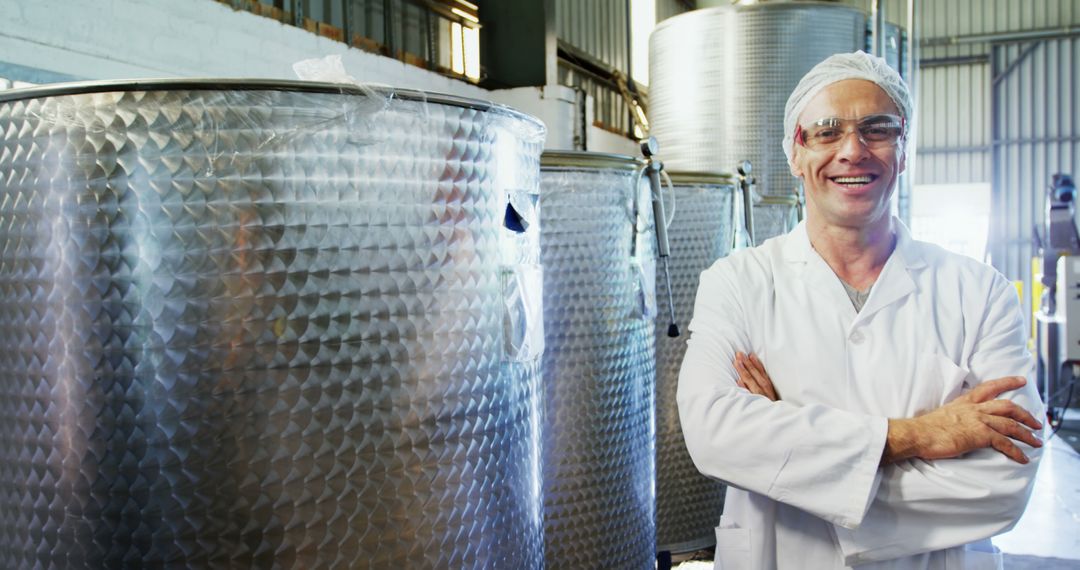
[(854, 181)]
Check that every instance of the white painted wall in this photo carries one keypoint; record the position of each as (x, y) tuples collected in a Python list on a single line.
[(139, 39)]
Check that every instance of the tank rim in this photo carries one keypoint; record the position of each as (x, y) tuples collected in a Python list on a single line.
[(586, 160), (257, 84)]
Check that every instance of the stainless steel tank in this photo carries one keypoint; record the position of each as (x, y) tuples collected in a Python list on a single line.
[(598, 255), (720, 77), (688, 504), (266, 324)]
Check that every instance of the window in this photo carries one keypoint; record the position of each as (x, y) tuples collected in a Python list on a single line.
[(954, 216)]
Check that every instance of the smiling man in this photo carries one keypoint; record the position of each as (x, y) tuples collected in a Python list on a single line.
[(867, 397)]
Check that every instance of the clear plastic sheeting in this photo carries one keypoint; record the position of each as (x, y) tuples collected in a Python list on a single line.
[(523, 276), (773, 218), (688, 504), (524, 321), (261, 324), (599, 363), (646, 287), (719, 79)]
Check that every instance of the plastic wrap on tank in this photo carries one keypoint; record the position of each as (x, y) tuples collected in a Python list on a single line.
[(598, 253), (773, 217), (264, 324)]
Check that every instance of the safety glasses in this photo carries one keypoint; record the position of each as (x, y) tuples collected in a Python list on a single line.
[(875, 131)]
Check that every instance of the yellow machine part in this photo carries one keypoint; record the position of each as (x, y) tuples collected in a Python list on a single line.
[(1036, 292)]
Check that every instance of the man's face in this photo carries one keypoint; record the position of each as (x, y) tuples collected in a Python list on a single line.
[(849, 184)]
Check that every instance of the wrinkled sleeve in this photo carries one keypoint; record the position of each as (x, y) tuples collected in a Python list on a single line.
[(923, 506), (820, 459)]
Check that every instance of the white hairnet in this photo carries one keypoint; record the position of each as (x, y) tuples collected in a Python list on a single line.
[(858, 65)]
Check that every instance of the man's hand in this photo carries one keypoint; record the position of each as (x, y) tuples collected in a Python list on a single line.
[(973, 421), (752, 376)]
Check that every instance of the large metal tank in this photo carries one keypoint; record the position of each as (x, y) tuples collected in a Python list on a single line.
[(688, 504), (720, 77), (264, 324), (598, 255)]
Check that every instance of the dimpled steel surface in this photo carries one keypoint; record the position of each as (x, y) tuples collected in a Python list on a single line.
[(720, 77), (260, 329), (599, 365), (688, 504)]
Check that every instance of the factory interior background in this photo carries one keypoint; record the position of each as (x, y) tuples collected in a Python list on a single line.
[(417, 381)]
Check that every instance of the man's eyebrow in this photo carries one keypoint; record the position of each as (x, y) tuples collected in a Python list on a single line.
[(879, 117)]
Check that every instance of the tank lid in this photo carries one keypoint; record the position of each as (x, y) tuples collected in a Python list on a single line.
[(240, 84), (789, 200), (575, 159), (693, 15), (709, 178)]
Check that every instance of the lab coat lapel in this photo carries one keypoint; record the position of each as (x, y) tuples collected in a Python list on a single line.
[(897, 279), (816, 273), (895, 282)]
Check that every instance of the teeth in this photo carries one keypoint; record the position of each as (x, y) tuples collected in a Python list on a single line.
[(852, 179)]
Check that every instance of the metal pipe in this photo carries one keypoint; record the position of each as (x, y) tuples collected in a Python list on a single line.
[(877, 28), (1004, 37), (911, 74), (982, 59), (912, 55), (955, 149)]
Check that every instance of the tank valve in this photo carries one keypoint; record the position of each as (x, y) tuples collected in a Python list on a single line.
[(649, 148)]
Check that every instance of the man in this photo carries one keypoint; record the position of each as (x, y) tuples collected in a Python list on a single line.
[(867, 397)]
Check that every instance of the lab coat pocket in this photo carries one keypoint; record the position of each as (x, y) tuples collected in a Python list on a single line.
[(940, 380), (981, 557), (732, 549)]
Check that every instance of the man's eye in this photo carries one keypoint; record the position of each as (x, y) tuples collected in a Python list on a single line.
[(880, 132), (825, 134)]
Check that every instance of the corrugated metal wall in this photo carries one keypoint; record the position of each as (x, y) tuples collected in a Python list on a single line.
[(997, 110), (596, 27), (954, 138), (954, 124), (598, 31), (1035, 133)]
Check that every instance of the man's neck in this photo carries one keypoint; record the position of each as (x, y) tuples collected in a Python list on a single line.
[(856, 254)]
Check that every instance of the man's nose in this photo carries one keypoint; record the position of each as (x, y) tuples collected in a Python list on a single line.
[(852, 146)]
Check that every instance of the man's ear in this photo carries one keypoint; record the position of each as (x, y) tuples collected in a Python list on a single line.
[(901, 162), (793, 163)]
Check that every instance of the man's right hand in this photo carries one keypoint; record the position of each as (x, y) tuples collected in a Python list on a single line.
[(972, 421)]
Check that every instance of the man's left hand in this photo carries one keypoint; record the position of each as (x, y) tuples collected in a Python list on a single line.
[(752, 376)]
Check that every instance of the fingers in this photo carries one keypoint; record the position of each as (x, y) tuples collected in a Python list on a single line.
[(1008, 448), (752, 376), (991, 389), (1009, 409), (1012, 429), (758, 370), (746, 379)]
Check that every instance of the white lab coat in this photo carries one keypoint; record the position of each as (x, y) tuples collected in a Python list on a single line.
[(806, 491)]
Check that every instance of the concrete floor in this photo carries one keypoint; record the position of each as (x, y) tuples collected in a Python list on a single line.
[(1048, 535)]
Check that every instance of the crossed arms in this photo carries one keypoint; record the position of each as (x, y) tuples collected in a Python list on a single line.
[(891, 486)]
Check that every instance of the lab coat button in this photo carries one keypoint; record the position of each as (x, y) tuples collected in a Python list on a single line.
[(857, 337)]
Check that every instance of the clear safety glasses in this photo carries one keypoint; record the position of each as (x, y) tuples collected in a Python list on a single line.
[(875, 131)]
